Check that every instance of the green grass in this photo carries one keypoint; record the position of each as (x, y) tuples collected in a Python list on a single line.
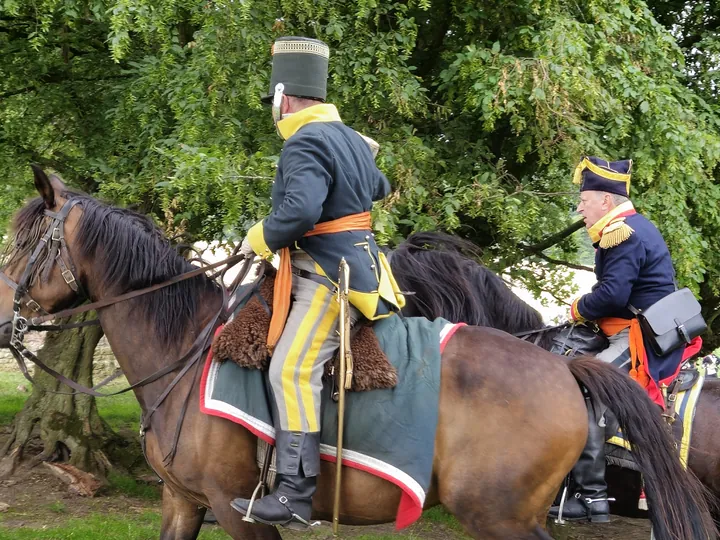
[(120, 412), (57, 507), (127, 485), (438, 515), (98, 527), (11, 401)]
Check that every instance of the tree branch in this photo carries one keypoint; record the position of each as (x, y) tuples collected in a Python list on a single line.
[(550, 241), (562, 263)]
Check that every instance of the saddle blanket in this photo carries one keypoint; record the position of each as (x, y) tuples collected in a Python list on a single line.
[(685, 409), (388, 433)]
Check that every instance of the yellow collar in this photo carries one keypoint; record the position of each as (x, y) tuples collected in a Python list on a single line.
[(325, 112), (595, 231)]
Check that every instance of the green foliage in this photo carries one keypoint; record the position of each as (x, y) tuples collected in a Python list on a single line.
[(482, 111)]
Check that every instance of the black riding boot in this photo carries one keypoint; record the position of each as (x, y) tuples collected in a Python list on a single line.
[(591, 499), (298, 464)]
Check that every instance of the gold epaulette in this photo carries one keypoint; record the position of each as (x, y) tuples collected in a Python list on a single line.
[(615, 234)]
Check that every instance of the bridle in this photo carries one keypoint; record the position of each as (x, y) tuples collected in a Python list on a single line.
[(54, 240)]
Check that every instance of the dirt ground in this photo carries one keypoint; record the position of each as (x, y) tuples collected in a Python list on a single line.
[(36, 499)]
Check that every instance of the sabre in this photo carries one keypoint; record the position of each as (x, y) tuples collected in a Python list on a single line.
[(345, 379)]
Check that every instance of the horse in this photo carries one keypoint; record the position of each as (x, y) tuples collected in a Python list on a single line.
[(526, 448), (448, 282)]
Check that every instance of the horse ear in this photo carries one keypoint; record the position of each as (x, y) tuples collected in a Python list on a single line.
[(57, 184), (44, 186)]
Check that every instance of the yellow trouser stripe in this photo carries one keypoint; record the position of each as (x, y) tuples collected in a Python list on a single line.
[(290, 397), (308, 399)]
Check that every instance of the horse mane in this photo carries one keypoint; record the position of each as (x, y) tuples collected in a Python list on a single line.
[(130, 252), (449, 282)]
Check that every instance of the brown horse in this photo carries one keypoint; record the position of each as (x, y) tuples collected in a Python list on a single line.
[(449, 283), (497, 470)]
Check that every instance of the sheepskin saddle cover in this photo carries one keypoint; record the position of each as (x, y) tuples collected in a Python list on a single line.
[(243, 340)]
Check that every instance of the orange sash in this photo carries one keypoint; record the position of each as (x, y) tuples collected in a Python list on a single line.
[(283, 280), (638, 370)]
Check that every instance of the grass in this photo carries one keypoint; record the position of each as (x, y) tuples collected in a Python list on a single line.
[(101, 527), (11, 400), (57, 507), (127, 485), (146, 525), (440, 516), (120, 412)]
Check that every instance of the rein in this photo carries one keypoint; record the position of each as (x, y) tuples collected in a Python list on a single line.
[(539, 333), (540, 330)]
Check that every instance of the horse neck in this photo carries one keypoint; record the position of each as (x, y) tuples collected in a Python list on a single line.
[(138, 350)]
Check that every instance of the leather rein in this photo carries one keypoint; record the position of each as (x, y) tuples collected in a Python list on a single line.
[(54, 240)]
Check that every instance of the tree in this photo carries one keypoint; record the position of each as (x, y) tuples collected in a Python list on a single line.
[(482, 110), (69, 424)]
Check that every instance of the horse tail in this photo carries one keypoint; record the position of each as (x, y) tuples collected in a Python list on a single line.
[(678, 503), (447, 280)]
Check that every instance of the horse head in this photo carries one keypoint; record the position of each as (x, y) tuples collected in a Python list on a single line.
[(39, 274)]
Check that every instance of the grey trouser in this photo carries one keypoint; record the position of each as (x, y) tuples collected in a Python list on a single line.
[(309, 340), (618, 353)]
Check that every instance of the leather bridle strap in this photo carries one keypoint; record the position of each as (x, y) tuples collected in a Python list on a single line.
[(26, 354), (539, 330), (134, 294)]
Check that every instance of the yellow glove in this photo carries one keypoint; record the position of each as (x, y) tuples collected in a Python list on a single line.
[(574, 313)]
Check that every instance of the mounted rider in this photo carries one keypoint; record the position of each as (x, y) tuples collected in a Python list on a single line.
[(633, 268), (322, 195)]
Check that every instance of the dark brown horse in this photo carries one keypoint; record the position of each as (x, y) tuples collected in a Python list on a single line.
[(512, 419), (449, 283)]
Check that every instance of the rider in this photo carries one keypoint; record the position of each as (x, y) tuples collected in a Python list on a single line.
[(632, 266), (324, 188)]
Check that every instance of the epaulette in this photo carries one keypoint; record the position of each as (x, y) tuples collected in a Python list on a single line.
[(615, 234)]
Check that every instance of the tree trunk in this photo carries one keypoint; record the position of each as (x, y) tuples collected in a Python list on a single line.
[(69, 426)]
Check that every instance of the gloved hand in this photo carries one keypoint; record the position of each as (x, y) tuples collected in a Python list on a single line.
[(573, 313), (245, 249)]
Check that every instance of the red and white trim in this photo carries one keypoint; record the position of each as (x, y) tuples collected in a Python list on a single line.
[(447, 332)]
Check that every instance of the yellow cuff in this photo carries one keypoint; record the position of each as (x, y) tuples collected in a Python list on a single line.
[(256, 238), (575, 312)]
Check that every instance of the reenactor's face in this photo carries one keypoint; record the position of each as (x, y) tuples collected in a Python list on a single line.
[(593, 206)]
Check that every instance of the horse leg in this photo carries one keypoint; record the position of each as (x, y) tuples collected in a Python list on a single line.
[(181, 519), (231, 521)]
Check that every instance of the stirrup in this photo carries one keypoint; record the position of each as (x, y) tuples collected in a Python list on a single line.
[(262, 488), (559, 520), (259, 488)]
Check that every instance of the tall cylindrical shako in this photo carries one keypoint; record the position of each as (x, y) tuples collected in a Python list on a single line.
[(300, 65)]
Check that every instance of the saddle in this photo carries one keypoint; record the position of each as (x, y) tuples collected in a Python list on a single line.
[(579, 340), (244, 341)]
